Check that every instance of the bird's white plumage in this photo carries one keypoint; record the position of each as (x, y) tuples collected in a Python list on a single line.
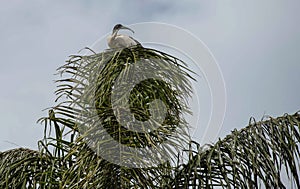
[(120, 41), (116, 40)]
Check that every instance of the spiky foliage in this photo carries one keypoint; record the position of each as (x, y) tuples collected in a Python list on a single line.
[(255, 156), (25, 168), (88, 88)]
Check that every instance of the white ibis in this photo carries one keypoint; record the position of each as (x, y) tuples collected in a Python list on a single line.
[(116, 40)]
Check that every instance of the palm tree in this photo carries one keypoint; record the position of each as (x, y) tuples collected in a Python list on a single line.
[(72, 152)]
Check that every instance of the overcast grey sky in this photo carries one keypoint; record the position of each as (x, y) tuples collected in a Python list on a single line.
[(256, 44)]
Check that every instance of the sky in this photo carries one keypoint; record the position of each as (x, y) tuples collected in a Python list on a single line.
[(255, 43)]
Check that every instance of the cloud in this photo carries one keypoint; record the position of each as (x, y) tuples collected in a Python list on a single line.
[(256, 44)]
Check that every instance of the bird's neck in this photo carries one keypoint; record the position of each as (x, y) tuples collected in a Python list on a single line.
[(114, 34)]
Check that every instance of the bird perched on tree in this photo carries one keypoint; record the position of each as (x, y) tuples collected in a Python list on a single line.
[(116, 40)]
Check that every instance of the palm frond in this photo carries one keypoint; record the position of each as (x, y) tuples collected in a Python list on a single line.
[(252, 157)]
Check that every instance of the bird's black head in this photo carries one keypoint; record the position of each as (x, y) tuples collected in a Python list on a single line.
[(117, 27), (120, 26)]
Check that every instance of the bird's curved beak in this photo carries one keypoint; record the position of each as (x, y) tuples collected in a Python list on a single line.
[(126, 28)]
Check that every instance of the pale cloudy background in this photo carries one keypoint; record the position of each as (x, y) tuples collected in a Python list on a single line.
[(256, 44)]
